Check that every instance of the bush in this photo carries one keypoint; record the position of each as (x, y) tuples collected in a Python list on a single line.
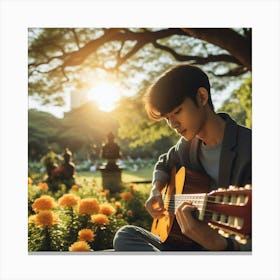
[(85, 218)]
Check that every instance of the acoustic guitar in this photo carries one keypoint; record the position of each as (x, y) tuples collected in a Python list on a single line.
[(227, 210)]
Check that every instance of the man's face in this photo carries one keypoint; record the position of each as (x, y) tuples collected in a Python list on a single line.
[(187, 119)]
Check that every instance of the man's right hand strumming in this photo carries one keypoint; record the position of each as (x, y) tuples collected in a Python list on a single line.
[(154, 203)]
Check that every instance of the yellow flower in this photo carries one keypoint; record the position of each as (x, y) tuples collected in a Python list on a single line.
[(86, 235), (107, 209), (32, 219), (45, 218), (30, 181), (88, 206), (126, 195), (68, 200), (75, 187), (118, 204), (100, 219), (132, 188), (79, 246), (45, 202), (42, 186)]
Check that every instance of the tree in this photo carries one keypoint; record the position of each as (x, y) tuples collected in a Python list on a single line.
[(42, 130), (66, 59), (60, 59), (239, 104)]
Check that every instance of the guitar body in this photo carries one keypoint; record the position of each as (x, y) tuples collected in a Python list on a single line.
[(182, 182), (229, 210)]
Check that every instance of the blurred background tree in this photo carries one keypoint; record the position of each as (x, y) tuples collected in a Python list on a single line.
[(62, 61)]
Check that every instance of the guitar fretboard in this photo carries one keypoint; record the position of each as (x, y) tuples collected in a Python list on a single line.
[(199, 200)]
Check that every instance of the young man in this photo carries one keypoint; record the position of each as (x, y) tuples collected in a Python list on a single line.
[(210, 143)]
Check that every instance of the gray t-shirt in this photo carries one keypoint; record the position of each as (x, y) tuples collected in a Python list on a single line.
[(209, 157)]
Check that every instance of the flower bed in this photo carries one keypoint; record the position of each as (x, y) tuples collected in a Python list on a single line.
[(85, 218)]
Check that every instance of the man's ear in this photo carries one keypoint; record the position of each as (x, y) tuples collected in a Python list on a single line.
[(202, 96)]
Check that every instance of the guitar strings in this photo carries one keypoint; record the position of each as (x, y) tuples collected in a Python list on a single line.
[(193, 200)]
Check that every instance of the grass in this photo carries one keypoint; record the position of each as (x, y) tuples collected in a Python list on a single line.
[(144, 174)]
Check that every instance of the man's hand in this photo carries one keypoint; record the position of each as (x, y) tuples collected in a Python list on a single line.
[(154, 204), (197, 230)]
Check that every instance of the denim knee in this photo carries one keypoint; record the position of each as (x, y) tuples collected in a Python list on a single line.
[(122, 236)]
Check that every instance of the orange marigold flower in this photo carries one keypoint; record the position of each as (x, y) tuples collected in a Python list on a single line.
[(30, 181), (45, 218), (105, 192), (88, 206), (100, 219), (45, 202), (86, 235), (118, 204), (68, 200), (107, 209), (75, 187), (132, 188), (126, 195), (120, 215), (32, 219), (42, 186), (79, 246), (129, 213)]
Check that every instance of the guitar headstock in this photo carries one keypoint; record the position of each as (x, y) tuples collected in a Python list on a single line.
[(230, 210)]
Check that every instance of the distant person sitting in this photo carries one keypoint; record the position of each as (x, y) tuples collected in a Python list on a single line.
[(66, 171)]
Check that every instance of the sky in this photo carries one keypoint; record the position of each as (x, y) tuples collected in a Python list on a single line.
[(114, 94)]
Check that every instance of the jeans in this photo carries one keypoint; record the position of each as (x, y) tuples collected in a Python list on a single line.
[(133, 238)]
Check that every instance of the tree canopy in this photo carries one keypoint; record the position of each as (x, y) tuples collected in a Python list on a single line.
[(64, 60), (61, 59)]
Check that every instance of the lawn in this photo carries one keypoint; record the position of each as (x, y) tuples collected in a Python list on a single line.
[(128, 177)]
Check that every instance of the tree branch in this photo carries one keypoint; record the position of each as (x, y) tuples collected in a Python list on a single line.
[(227, 39), (231, 73), (76, 37), (197, 59)]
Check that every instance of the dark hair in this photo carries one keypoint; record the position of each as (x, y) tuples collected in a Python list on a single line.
[(171, 89)]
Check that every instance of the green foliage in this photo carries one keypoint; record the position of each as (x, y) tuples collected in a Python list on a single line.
[(42, 130), (61, 235), (136, 129), (137, 213), (239, 104), (62, 59), (80, 130), (104, 234)]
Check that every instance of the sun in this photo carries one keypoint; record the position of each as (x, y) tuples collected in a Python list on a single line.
[(106, 95)]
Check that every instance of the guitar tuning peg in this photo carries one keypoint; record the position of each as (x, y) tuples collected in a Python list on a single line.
[(248, 187), (231, 187), (221, 189)]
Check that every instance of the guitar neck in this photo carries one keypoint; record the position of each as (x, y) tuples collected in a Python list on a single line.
[(229, 209), (199, 200)]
